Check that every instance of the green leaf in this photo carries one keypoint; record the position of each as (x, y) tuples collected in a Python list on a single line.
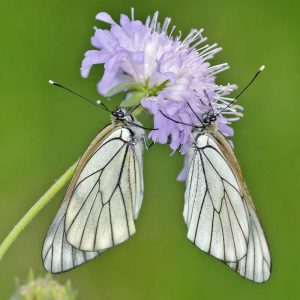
[(121, 87), (133, 98)]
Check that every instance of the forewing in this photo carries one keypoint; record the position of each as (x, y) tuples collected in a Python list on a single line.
[(218, 210), (214, 210), (106, 197), (57, 254)]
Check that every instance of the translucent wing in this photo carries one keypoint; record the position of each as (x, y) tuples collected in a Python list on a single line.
[(57, 254), (107, 195), (214, 210), (256, 265), (218, 210), (114, 151)]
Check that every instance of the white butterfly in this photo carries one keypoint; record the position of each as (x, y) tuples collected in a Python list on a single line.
[(103, 199), (218, 211)]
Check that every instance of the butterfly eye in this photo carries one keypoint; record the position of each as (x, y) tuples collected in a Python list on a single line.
[(119, 113), (206, 119)]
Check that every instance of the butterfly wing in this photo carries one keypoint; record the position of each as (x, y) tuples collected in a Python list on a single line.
[(218, 209), (105, 153), (107, 195), (57, 254), (256, 264)]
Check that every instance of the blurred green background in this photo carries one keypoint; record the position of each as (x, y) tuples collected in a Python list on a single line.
[(43, 130)]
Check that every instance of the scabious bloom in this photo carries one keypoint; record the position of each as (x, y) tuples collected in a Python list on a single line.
[(44, 288), (170, 76)]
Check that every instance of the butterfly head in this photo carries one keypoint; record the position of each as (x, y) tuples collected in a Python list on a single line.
[(208, 118), (122, 114), (208, 124)]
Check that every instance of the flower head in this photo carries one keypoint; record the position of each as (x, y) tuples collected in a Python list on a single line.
[(44, 288), (171, 77)]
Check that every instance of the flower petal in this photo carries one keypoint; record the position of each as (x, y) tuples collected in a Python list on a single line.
[(103, 39), (105, 17), (110, 80), (93, 57), (177, 78)]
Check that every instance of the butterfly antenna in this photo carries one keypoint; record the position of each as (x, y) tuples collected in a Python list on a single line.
[(98, 103), (139, 126), (134, 108), (243, 90), (195, 114), (179, 122), (151, 144), (209, 102)]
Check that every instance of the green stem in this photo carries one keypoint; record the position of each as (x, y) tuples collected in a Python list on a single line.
[(35, 209)]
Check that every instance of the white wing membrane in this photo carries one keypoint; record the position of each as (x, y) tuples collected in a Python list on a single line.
[(216, 217), (256, 265), (107, 195), (219, 219), (57, 254), (102, 202)]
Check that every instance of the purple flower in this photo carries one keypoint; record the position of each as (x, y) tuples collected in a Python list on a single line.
[(171, 77)]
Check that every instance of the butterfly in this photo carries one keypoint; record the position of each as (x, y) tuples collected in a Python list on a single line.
[(218, 210), (103, 199), (219, 213)]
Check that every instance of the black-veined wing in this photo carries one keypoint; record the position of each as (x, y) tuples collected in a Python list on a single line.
[(57, 254), (116, 153), (107, 194), (256, 264), (217, 211)]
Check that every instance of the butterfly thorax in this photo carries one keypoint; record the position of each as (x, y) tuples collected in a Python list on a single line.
[(121, 117), (211, 128)]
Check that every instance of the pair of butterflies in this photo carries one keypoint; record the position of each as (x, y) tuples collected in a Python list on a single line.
[(105, 196)]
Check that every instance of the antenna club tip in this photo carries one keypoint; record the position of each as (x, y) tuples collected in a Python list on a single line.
[(51, 81), (262, 68)]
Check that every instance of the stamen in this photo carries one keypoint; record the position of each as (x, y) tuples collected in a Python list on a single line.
[(191, 37), (202, 48), (171, 32), (166, 25), (202, 40), (223, 68), (147, 22), (158, 27), (211, 53), (153, 23), (217, 66), (209, 47), (179, 35)]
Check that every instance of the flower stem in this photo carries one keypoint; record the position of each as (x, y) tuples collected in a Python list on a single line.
[(35, 209)]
